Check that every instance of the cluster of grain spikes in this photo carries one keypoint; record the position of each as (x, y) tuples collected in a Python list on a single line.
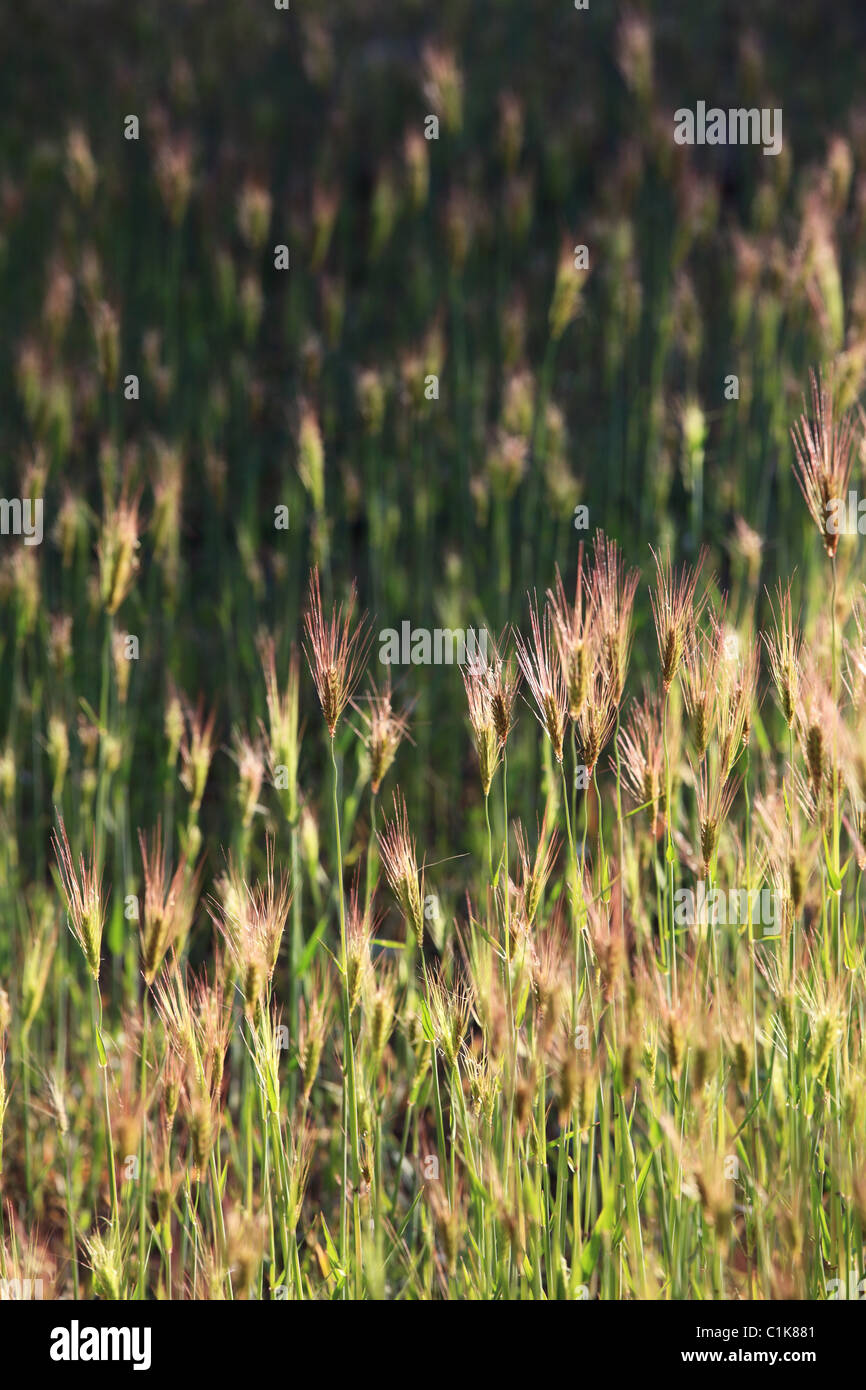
[(610, 1057)]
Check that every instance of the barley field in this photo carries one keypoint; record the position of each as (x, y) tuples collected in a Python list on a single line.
[(432, 652)]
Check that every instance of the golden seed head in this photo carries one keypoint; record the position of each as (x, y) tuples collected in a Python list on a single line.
[(670, 658), (709, 837), (201, 1132), (358, 964), (449, 1013), (488, 755), (397, 849), (312, 1040), (578, 679), (501, 706), (58, 753), (106, 1267), (675, 1042), (627, 1065), (716, 1200), (83, 893), (118, 551), (335, 649), (825, 1033), (702, 727), (554, 725), (815, 756), (383, 732)]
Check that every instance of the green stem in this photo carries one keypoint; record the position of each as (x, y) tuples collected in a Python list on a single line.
[(109, 1142), (348, 1044), (142, 1186)]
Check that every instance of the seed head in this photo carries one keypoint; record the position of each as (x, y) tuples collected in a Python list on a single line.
[(358, 933), (383, 732), (174, 175), (169, 904), (674, 1040), (715, 796), (484, 1083), (613, 589), (491, 689), (39, 949), (246, 1233), (196, 751), (737, 704), (106, 1264), (81, 168), (702, 659), (715, 1194), (82, 889), (535, 873), (200, 1120), (56, 1082), (335, 650), (823, 455), (596, 721), (248, 754), (212, 1024), (58, 753), (817, 721), (675, 613), (254, 213), (475, 680), (641, 746), (397, 848), (443, 84), (282, 740), (118, 550), (174, 1008), (313, 1027), (567, 291), (543, 674), (106, 334), (502, 683), (379, 1008), (311, 458), (607, 942), (251, 920), (784, 646), (172, 1081), (550, 976), (571, 631), (450, 1010)]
